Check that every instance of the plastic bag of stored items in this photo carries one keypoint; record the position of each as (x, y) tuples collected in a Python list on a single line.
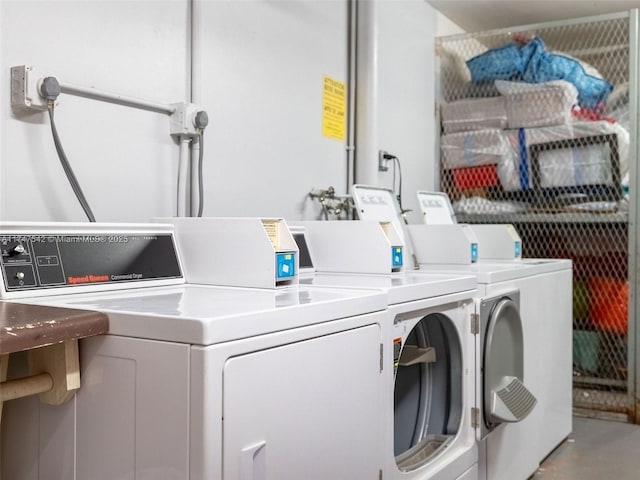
[(533, 63)]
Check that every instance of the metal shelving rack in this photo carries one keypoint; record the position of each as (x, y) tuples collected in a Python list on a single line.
[(586, 211)]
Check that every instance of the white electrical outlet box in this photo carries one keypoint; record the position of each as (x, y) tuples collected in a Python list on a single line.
[(182, 121), (25, 94)]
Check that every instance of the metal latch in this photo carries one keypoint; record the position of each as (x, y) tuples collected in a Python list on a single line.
[(475, 417), (475, 323)]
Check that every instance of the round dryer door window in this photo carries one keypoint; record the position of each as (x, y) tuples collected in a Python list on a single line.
[(427, 392), (506, 399)]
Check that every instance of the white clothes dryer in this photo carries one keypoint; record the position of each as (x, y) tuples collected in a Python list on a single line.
[(538, 295), (192, 382), (515, 450), (428, 352)]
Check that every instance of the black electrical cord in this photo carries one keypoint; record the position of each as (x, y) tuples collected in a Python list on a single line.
[(73, 181), (200, 177), (396, 161)]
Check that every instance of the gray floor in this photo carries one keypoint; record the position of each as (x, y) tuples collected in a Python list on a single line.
[(596, 450)]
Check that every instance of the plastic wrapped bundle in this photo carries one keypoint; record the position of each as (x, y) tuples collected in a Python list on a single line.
[(580, 163), (538, 105), (472, 149), (474, 114)]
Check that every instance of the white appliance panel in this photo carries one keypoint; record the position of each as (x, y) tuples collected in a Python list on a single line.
[(131, 416), (304, 393), (140, 389), (207, 404)]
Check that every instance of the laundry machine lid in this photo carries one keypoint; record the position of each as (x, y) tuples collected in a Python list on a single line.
[(436, 208), (206, 315), (494, 272), (505, 397), (400, 288)]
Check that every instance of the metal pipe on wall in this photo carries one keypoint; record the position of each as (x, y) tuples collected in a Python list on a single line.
[(110, 97), (195, 94), (366, 121), (351, 82)]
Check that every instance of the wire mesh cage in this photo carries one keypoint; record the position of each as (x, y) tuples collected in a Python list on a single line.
[(535, 131)]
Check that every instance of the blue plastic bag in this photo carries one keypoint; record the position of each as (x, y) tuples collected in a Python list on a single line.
[(503, 63), (533, 63)]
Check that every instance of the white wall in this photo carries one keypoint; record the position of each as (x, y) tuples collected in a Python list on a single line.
[(404, 112), (124, 159), (445, 26), (259, 74)]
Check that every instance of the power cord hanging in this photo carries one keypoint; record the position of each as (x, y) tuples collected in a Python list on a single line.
[(383, 158), (201, 121), (200, 176), (50, 90), (396, 161)]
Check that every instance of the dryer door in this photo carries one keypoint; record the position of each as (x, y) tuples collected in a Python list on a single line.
[(505, 397), (428, 391)]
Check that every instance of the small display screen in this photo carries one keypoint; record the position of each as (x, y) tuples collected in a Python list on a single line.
[(46, 261), (303, 250)]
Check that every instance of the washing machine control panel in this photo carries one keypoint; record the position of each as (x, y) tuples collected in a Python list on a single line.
[(46, 261)]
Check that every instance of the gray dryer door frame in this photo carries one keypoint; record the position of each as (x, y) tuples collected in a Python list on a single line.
[(503, 396)]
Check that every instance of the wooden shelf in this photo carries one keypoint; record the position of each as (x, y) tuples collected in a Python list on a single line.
[(50, 336)]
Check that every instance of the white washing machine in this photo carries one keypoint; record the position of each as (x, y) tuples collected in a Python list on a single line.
[(429, 349), (192, 382), (537, 291)]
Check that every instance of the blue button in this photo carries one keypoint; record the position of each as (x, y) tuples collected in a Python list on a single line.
[(474, 252), (518, 248), (286, 264), (396, 256)]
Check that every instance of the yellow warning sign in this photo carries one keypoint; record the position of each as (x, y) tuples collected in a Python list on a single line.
[(334, 107)]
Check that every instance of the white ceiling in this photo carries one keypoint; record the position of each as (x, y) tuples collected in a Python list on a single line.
[(481, 15)]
